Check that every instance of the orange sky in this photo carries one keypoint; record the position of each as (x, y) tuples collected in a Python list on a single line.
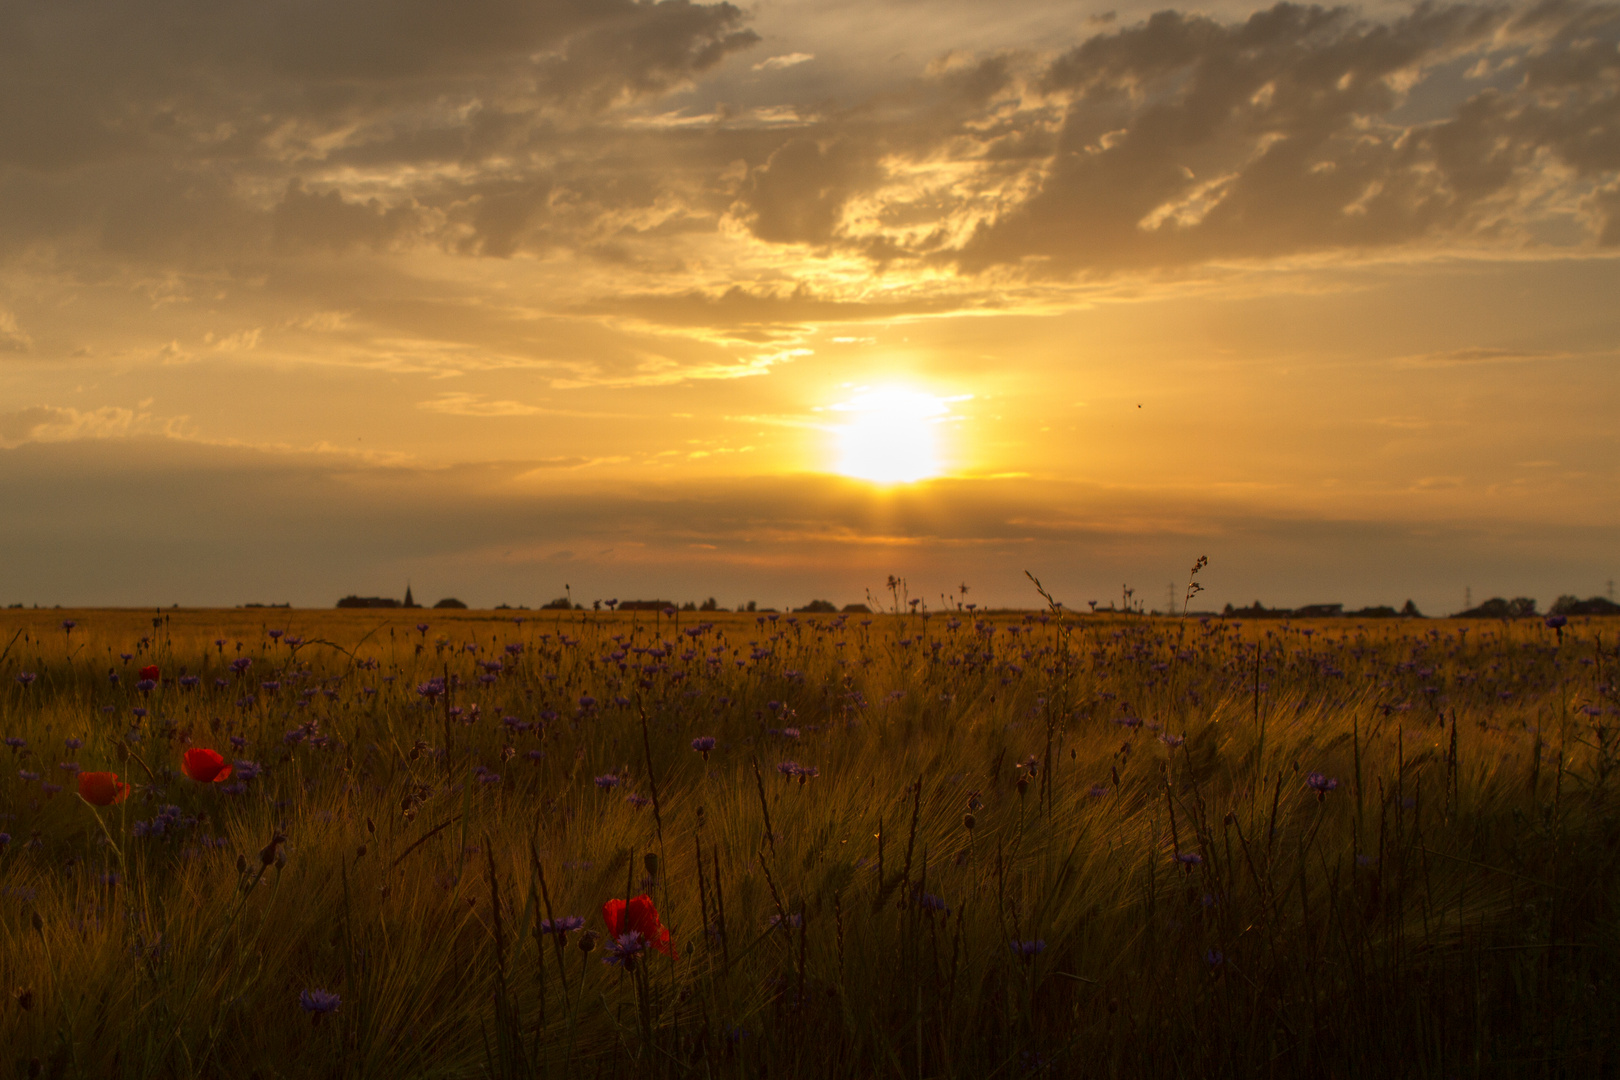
[(305, 299)]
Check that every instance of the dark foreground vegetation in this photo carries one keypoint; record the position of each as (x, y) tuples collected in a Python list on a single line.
[(897, 846)]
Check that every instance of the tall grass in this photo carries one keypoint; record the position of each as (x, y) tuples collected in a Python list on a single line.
[(1019, 845)]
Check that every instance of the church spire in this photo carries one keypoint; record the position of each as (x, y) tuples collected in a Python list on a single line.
[(408, 601)]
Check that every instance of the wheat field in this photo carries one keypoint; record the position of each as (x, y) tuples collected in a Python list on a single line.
[(953, 844)]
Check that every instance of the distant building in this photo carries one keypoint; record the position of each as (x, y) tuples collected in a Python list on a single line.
[(352, 601), (818, 607), (1319, 611), (408, 601), (645, 605), (450, 602)]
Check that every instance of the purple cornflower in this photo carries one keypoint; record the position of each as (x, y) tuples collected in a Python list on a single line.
[(68, 625), (431, 689), (637, 800), (26, 776), (74, 743), (789, 769), (607, 781), (146, 686), (1557, 622), (274, 635), (1189, 859), (623, 950), (1214, 957), (1028, 950), (930, 902), (5, 838), (1320, 784), (15, 743), (26, 678), (563, 926), (703, 744), (318, 1002)]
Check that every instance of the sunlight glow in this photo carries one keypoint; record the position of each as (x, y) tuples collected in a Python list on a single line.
[(891, 435)]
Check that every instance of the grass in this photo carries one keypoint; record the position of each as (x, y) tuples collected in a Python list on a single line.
[(1031, 845)]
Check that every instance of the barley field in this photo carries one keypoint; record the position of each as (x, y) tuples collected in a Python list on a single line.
[(955, 844)]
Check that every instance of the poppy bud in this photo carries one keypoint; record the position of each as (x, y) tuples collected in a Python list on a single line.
[(25, 998), (241, 863), (1023, 784), (650, 861), (39, 923), (968, 821), (1231, 818), (587, 941), (268, 854), (281, 859), (360, 852), (370, 827)]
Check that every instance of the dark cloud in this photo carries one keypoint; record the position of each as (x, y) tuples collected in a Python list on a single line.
[(798, 195), (328, 220), (221, 525), (1187, 140)]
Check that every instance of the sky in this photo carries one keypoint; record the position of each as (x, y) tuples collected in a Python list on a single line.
[(771, 302)]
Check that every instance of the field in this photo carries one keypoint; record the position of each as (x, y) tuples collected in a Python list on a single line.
[(1027, 844)]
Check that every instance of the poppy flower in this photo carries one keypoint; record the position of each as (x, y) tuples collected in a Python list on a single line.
[(102, 788), (204, 765), (153, 672), (638, 916)]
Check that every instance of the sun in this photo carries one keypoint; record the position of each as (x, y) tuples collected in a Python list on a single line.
[(890, 435)]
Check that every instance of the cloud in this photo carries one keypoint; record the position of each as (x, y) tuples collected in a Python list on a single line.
[(49, 423), (459, 404), (326, 220), (1471, 356), (241, 523), (12, 338), (787, 60)]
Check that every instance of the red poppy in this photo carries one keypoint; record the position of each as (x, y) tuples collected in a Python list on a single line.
[(102, 788), (204, 765), (640, 916), (153, 672)]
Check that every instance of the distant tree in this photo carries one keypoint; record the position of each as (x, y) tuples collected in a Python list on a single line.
[(750, 606), (711, 604), (857, 609), (1410, 611), (816, 607), (450, 602), (689, 606), (1564, 604), (559, 604)]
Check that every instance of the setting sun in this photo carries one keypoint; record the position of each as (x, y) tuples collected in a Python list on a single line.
[(891, 435)]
